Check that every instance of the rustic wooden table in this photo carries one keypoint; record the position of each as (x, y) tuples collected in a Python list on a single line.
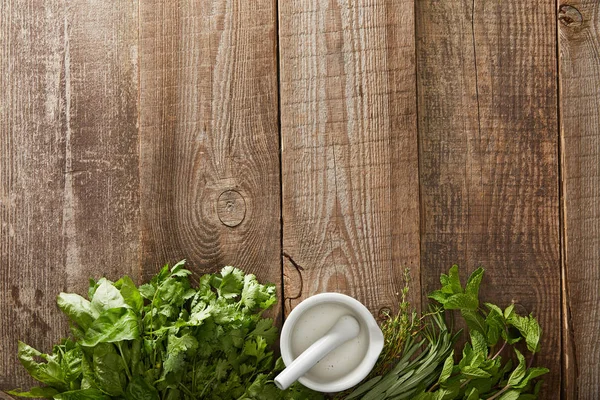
[(324, 145)]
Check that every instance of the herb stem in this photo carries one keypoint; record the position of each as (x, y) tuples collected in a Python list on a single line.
[(206, 386), (124, 361), (504, 389), (186, 390), (499, 351)]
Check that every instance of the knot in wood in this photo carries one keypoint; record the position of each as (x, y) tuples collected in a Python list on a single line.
[(231, 208), (384, 313), (569, 16)]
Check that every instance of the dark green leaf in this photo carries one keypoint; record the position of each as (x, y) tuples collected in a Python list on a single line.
[(139, 389), (130, 293), (266, 329), (474, 321), (82, 394), (108, 369)]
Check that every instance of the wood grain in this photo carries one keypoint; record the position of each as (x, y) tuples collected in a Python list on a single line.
[(579, 43), (349, 155), (487, 104), (68, 161), (209, 122)]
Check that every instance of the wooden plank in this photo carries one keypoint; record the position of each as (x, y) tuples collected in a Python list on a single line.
[(349, 150), (68, 162), (580, 133), (487, 105), (209, 151)]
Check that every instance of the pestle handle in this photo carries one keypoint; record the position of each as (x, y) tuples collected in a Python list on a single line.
[(346, 328)]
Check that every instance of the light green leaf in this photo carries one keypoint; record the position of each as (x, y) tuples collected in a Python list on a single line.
[(531, 374), (106, 297), (447, 368), (454, 280), (479, 343), (35, 392), (47, 372), (519, 373), (439, 296), (78, 309), (232, 282), (510, 395), (474, 372), (473, 282), (461, 302), (113, 325)]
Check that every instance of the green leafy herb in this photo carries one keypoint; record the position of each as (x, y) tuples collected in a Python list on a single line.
[(164, 340), (481, 372)]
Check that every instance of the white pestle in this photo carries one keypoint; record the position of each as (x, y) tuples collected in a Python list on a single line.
[(346, 328)]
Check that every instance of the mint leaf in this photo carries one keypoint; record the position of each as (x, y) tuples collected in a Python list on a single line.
[(473, 282), (454, 280), (519, 373), (461, 301), (447, 368)]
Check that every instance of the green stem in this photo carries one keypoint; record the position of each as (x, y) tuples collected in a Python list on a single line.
[(465, 383), (499, 351), (124, 361), (206, 387), (186, 390)]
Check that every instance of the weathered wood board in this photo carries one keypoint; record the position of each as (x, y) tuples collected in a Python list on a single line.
[(487, 106), (68, 161), (323, 145), (580, 133), (209, 158), (349, 150)]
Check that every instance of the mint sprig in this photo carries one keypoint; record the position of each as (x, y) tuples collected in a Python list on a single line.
[(481, 372)]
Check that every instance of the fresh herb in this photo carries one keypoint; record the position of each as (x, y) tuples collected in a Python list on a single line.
[(481, 372), (422, 356), (165, 340)]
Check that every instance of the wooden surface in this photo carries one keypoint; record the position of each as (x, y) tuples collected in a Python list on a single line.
[(323, 145), (209, 162), (489, 154), (68, 165), (349, 150), (580, 131)]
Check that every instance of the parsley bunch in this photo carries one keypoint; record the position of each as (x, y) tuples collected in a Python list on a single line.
[(165, 340)]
